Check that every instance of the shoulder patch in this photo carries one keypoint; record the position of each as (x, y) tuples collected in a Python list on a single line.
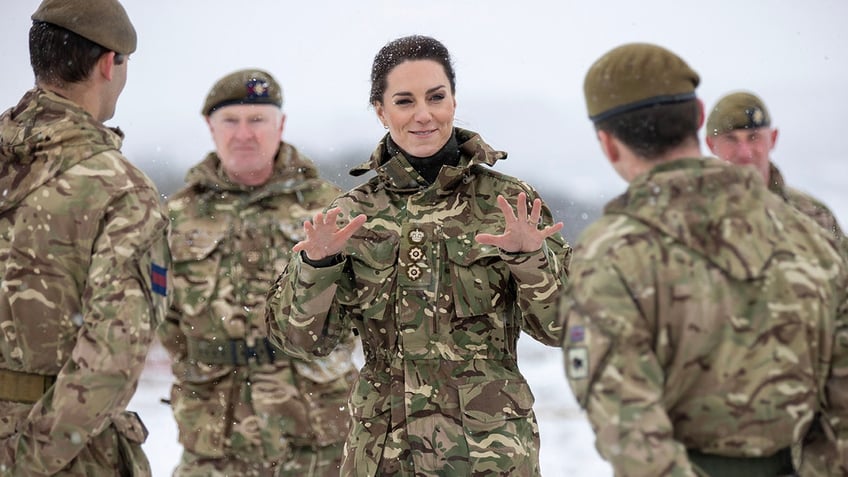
[(578, 363), (159, 279)]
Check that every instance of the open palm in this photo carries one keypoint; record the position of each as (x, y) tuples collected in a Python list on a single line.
[(521, 231)]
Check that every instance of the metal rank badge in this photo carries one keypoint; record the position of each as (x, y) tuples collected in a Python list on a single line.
[(413, 272), (417, 236), (416, 254)]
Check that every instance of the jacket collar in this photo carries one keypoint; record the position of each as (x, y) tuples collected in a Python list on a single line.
[(395, 172)]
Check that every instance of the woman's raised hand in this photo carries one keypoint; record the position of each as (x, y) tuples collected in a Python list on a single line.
[(323, 237), (521, 232)]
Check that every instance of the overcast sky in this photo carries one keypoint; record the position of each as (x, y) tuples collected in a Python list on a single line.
[(519, 64)]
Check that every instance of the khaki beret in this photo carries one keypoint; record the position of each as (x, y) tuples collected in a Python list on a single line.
[(250, 86), (635, 76), (738, 111), (104, 22)]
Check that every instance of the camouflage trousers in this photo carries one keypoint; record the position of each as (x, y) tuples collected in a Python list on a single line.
[(302, 462)]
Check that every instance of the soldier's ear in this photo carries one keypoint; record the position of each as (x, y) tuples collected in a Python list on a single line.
[(106, 65), (774, 134), (609, 146), (710, 142), (700, 113)]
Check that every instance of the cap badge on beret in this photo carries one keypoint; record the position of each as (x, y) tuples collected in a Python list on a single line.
[(257, 88), (756, 116)]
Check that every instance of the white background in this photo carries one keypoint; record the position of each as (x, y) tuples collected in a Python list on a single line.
[(520, 67)]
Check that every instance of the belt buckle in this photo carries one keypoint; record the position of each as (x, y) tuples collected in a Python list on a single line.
[(260, 352)]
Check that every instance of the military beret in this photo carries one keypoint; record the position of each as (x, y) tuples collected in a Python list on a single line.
[(250, 86), (738, 111), (104, 22), (635, 76)]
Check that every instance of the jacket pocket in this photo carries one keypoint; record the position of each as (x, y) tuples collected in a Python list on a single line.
[(499, 424), (480, 279), (374, 267), (195, 268)]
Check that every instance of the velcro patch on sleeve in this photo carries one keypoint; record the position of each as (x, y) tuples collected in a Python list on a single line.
[(578, 362)]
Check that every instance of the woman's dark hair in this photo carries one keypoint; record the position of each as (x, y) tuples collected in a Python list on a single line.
[(59, 56), (415, 47), (654, 130)]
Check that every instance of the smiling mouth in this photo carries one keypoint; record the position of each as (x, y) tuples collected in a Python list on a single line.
[(423, 133)]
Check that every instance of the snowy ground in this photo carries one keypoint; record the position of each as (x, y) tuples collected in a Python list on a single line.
[(567, 441)]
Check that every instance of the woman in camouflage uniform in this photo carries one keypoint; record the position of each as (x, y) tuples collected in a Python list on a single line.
[(244, 408), (439, 275)]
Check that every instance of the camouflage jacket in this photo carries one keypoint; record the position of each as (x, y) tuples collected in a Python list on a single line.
[(438, 314), (707, 314), (83, 257), (229, 242), (807, 204)]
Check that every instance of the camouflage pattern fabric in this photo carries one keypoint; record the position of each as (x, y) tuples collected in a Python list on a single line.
[(807, 205), (229, 242), (439, 316), (707, 314), (83, 258)]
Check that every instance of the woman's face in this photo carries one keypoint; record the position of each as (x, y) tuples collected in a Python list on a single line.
[(418, 107)]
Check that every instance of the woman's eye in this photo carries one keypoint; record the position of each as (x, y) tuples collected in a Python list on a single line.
[(403, 102), (437, 97)]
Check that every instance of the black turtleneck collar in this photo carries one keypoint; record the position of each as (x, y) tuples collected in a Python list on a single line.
[(429, 167)]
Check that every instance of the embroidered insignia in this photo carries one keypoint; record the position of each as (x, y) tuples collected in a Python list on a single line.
[(159, 279), (257, 88), (413, 272), (578, 363), (416, 254), (576, 334), (416, 236)]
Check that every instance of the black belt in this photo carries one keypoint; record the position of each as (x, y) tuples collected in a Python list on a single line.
[(232, 352), (779, 464)]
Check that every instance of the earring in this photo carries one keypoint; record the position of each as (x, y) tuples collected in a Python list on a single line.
[(385, 126)]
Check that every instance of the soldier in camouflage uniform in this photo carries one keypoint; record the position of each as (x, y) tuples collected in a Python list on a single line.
[(243, 408), (739, 131), (706, 330), (83, 255), (438, 275)]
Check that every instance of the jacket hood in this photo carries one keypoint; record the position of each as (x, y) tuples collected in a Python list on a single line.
[(397, 174), (43, 136), (717, 210), (291, 170)]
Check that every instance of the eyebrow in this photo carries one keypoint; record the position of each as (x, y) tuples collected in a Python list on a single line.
[(431, 90)]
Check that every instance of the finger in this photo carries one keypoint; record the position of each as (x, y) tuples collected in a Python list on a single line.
[(299, 247), (318, 219), (521, 207), (332, 215), (536, 212), (552, 229), (355, 223), (487, 239), (509, 215)]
